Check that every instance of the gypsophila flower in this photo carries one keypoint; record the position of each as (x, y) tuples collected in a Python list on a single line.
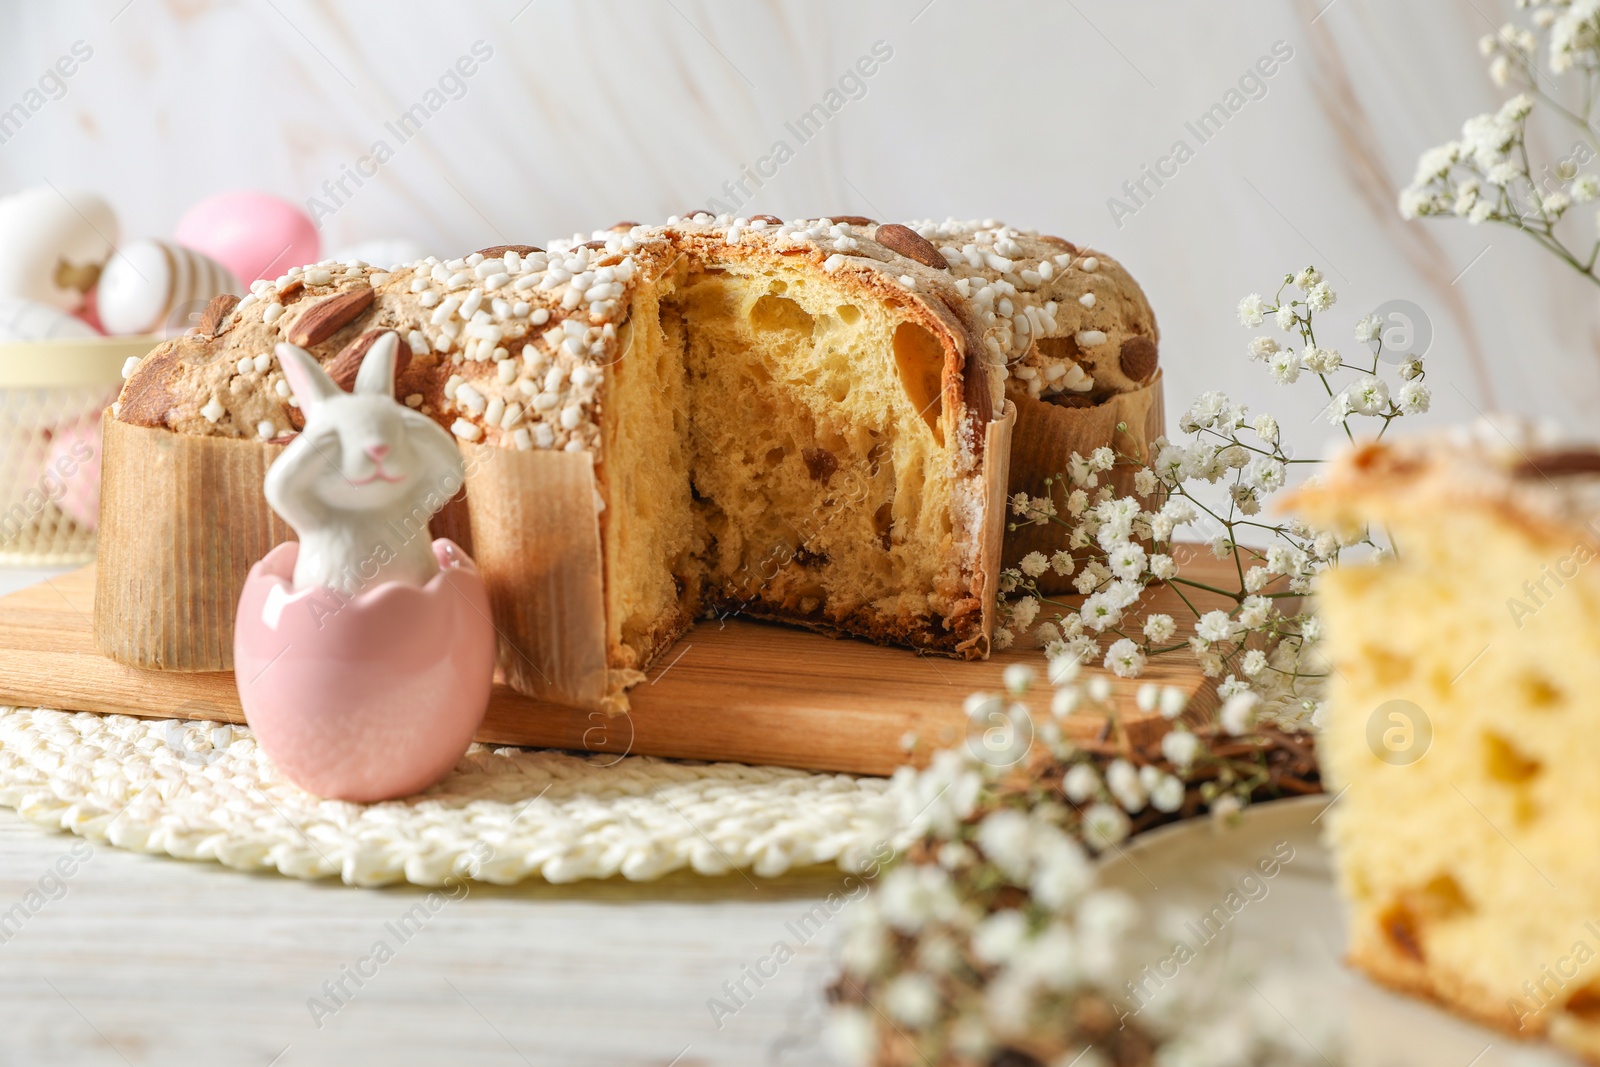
[(1065, 701), (1214, 626), (1145, 482), (1307, 279), (1104, 825), (1017, 677), (1266, 428), (1181, 747), (1586, 188), (1286, 318), (1268, 474), (1340, 407), (912, 896), (1262, 347), (1369, 329), (1124, 658), (1122, 779), (1034, 564), (1321, 360), (1251, 310), (1061, 562), (1320, 298), (1167, 794), (1006, 839), (1254, 662), (1369, 396), (1225, 808), (1163, 567), (1232, 687), (1238, 714), (1173, 702), (1160, 628), (1100, 612), (1502, 175), (999, 936), (1081, 783), (1285, 367), (1127, 562), (1414, 398), (1254, 611), (912, 1000)]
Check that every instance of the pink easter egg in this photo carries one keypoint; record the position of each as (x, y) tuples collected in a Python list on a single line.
[(253, 234), (72, 469), (367, 697)]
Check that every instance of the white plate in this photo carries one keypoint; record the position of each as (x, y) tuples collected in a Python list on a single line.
[(1287, 936)]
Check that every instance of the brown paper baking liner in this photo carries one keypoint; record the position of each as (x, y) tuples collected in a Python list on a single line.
[(536, 532), (1047, 434), (996, 459), (182, 520)]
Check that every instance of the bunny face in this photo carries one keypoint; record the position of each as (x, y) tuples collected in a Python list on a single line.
[(361, 481), (363, 453)]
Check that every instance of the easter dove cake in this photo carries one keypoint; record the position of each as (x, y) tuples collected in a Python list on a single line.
[(1465, 728), (806, 421)]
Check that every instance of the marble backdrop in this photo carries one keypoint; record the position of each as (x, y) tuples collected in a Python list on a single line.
[(463, 125)]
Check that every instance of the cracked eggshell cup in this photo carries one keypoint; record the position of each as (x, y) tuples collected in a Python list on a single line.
[(364, 698)]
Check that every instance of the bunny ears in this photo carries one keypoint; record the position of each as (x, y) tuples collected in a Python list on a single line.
[(312, 386)]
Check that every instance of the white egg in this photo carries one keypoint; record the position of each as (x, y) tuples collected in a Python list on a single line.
[(383, 253), (29, 320), (151, 286), (53, 244)]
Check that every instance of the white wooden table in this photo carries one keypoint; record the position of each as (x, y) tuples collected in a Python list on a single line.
[(145, 960)]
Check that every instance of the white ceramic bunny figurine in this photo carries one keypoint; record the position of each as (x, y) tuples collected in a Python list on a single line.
[(361, 481)]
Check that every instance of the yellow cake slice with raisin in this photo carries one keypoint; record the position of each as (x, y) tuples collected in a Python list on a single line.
[(1464, 725)]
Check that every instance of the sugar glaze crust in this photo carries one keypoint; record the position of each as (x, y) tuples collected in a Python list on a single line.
[(1044, 319), (1550, 488)]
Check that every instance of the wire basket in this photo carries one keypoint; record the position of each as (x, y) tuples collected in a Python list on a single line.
[(51, 396)]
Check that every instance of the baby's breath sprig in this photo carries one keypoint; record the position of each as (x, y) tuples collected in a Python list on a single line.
[(1118, 547), (990, 939), (1488, 175)]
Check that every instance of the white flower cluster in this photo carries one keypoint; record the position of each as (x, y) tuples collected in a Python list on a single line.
[(1487, 174), (991, 934), (1119, 546), (1481, 177), (1369, 395)]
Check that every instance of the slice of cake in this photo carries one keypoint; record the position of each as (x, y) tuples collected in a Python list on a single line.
[(1464, 727), (801, 421)]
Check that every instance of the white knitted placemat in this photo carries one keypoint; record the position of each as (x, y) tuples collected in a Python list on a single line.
[(204, 791)]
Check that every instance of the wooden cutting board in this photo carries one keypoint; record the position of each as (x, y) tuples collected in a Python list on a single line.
[(743, 691)]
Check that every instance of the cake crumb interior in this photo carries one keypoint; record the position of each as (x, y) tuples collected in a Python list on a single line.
[(793, 460)]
